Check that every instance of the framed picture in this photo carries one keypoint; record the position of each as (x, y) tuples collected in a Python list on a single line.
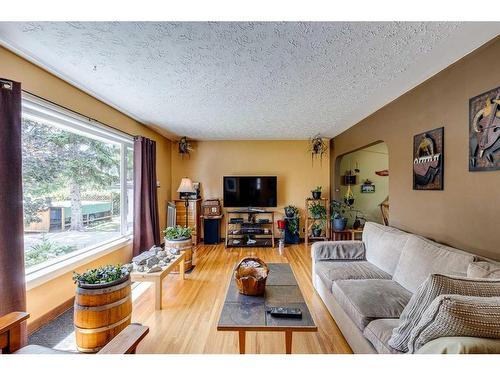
[(484, 131), (367, 188), (428, 160)]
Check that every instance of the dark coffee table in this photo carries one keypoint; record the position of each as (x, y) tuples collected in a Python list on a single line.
[(248, 313)]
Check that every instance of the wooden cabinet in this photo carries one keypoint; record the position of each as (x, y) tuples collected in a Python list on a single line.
[(194, 216)]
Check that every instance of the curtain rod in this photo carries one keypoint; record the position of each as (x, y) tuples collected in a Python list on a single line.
[(78, 113)]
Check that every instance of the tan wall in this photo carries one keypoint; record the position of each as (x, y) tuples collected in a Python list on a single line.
[(369, 160), (467, 213), (39, 82), (290, 161)]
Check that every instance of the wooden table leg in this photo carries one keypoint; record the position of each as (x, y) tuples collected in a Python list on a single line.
[(241, 340), (288, 341), (158, 294), (182, 269)]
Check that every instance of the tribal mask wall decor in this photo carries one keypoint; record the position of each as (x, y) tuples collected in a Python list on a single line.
[(428, 160), (484, 131)]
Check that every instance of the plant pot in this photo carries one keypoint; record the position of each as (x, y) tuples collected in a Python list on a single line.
[(339, 224), (316, 194), (316, 232), (289, 212)]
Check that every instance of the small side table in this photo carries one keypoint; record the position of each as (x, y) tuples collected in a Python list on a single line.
[(157, 277), (345, 235)]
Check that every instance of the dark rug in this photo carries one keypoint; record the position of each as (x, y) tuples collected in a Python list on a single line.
[(54, 332)]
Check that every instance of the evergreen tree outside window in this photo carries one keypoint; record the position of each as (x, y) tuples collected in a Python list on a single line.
[(77, 183)]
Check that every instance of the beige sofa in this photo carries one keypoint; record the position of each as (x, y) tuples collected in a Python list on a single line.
[(366, 285)]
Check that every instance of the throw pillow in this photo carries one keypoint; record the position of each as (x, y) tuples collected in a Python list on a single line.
[(434, 286), (456, 315), (483, 270)]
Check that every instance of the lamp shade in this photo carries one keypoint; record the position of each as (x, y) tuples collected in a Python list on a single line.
[(186, 186)]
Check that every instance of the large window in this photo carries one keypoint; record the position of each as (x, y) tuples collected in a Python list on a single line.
[(77, 183)]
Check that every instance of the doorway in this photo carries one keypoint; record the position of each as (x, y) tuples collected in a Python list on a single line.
[(363, 178)]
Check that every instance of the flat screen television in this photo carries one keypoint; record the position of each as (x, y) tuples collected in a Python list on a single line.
[(250, 191)]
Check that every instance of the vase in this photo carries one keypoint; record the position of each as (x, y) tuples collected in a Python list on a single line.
[(339, 224), (316, 194)]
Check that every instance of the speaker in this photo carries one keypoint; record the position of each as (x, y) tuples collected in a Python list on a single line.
[(211, 231)]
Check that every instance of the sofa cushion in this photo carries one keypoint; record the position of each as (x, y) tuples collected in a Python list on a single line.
[(378, 332), (421, 258), (483, 270), (383, 245), (338, 250), (456, 315), (461, 345), (434, 286), (330, 271), (366, 300)]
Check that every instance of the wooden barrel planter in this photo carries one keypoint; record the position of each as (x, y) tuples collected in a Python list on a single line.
[(185, 246), (101, 312)]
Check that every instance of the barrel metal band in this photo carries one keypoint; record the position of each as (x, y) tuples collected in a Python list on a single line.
[(102, 329), (102, 307)]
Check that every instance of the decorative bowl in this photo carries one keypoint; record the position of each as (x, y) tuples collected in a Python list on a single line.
[(250, 275)]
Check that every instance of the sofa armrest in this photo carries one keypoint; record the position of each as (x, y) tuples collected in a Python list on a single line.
[(338, 250), (461, 345)]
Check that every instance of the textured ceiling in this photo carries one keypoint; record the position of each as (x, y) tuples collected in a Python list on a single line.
[(242, 80)]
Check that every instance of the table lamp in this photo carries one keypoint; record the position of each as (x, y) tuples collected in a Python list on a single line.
[(185, 188)]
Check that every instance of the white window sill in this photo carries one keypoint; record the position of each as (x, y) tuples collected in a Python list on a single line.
[(50, 272)]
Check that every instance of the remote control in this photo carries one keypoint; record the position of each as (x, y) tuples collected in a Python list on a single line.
[(285, 312)]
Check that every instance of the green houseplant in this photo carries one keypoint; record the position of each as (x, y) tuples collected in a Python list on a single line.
[(291, 211), (339, 221), (177, 233), (317, 210), (316, 192), (317, 228), (101, 277)]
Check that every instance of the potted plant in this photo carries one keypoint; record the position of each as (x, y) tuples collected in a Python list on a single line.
[(317, 228), (316, 193), (97, 311), (291, 211), (317, 210), (339, 222), (177, 233), (102, 277)]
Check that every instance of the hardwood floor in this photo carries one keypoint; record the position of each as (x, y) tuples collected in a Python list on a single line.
[(191, 308)]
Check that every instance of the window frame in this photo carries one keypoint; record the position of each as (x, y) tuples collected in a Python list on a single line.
[(41, 110)]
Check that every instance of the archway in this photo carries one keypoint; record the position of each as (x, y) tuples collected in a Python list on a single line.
[(362, 175)]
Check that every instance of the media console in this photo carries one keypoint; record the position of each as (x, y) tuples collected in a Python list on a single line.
[(250, 228)]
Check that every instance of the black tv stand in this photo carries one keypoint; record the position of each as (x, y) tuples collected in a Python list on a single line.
[(245, 229)]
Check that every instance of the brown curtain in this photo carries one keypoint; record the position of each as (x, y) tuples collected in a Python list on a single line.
[(12, 283), (146, 224)]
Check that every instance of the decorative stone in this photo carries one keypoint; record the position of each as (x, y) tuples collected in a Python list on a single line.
[(152, 261), (143, 257), (155, 268), (128, 267), (161, 254), (141, 268)]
